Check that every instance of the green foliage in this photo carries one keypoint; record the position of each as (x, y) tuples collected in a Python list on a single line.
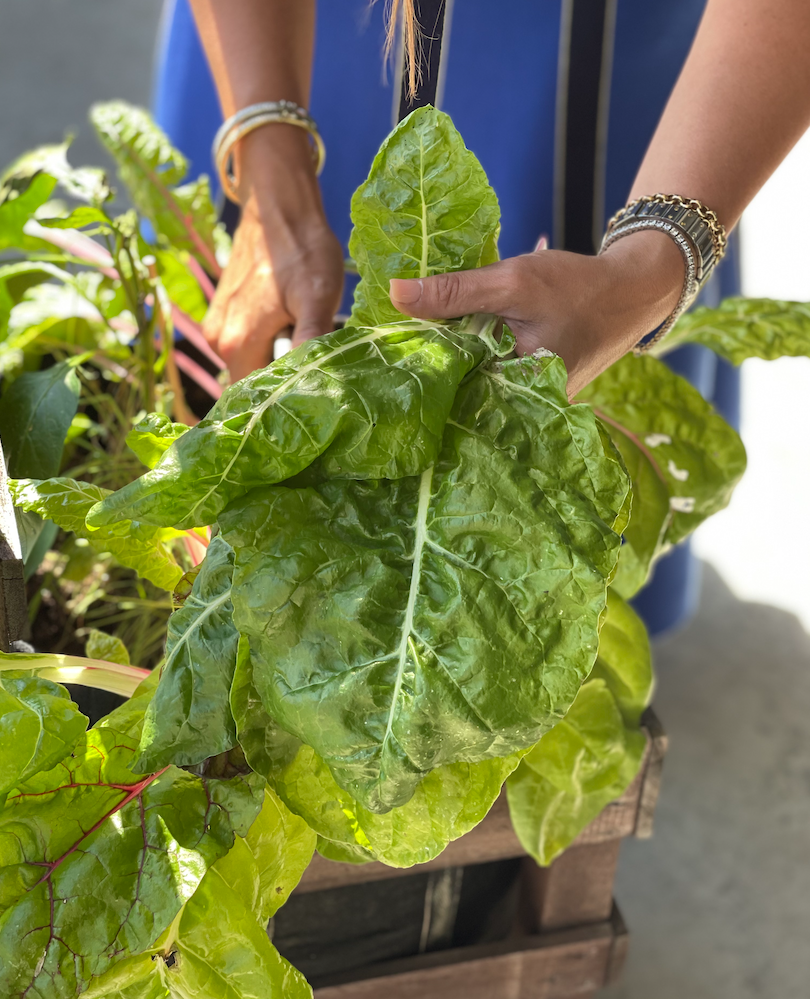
[(97, 861), (39, 725), (152, 436), (592, 756), (189, 718), (426, 208), (100, 645), (745, 327), (371, 403), (67, 502)]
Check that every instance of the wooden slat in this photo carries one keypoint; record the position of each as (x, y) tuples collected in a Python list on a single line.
[(552, 966), (657, 744), (575, 890)]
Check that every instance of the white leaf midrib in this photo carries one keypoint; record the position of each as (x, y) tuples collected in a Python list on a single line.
[(420, 537)]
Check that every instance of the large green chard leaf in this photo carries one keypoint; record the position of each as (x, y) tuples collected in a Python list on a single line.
[(448, 803), (426, 208), (445, 618), (371, 402), (39, 726), (591, 757), (189, 718), (745, 327), (35, 416), (218, 944), (95, 862), (578, 768), (692, 450), (151, 168), (67, 502), (128, 717), (100, 645)]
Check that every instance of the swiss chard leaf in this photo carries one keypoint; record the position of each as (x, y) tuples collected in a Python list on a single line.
[(189, 718), (127, 718), (151, 168), (740, 328), (448, 803), (35, 416), (692, 450), (96, 862), (371, 403), (84, 183), (39, 726), (137, 546), (17, 207), (426, 208), (591, 757), (17, 278), (100, 645), (579, 767), (401, 625), (152, 436)]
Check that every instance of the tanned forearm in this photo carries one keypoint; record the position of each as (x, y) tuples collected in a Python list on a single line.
[(740, 105)]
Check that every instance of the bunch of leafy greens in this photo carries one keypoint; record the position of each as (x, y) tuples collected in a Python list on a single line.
[(88, 315), (416, 593)]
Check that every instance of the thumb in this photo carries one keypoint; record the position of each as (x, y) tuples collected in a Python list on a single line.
[(460, 293)]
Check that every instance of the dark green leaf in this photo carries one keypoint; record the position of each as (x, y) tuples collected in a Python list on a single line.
[(745, 327), (189, 718), (35, 416), (39, 726), (372, 402), (95, 862), (426, 208), (137, 546), (128, 717), (693, 451), (447, 804), (152, 436), (402, 625)]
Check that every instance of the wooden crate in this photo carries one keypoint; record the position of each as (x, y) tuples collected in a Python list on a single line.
[(566, 939)]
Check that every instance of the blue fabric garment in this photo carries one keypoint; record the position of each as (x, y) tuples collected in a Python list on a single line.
[(501, 67)]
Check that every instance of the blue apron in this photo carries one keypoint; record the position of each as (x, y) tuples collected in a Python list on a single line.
[(511, 73)]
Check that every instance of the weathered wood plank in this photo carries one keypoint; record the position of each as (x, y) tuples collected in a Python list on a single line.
[(657, 744), (575, 890), (549, 966)]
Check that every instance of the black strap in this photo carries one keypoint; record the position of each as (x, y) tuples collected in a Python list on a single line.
[(580, 161), (431, 16)]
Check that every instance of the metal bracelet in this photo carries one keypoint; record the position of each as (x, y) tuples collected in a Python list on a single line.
[(696, 231), (248, 120)]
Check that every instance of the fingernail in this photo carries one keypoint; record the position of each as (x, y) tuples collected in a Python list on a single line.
[(407, 292)]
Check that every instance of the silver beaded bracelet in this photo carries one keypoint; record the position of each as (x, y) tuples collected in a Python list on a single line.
[(695, 230)]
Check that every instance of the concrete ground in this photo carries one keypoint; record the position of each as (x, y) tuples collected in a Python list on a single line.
[(718, 903)]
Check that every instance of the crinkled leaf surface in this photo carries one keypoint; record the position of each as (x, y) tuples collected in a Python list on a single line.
[(151, 168), (127, 718), (189, 718), (100, 645), (691, 448), (581, 765), (448, 803), (372, 402), (745, 327), (426, 208), (35, 416), (67, 502), (152, 436), (39, 726), (401, 625), (95, 862), (590, 758)]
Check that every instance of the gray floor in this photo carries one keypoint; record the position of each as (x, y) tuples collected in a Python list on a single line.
[(718, 902)]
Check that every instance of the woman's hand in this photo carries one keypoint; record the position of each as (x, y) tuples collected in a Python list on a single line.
[(589, 310), (286, 269)]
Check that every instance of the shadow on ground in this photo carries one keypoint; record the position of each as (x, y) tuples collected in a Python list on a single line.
[(718, 903)]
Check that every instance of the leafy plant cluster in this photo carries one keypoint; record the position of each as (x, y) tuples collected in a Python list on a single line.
[(415, 592)]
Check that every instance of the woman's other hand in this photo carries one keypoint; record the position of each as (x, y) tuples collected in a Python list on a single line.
[(286, 268), (589, 310)]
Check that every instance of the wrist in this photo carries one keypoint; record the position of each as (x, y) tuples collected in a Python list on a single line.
[(647, 271), (276, 171)]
